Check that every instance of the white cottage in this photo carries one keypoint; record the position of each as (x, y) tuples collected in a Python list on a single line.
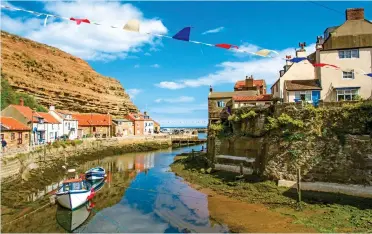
[(69, 125)]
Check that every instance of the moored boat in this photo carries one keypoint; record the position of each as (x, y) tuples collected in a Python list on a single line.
[(96, 173), (74, 193)]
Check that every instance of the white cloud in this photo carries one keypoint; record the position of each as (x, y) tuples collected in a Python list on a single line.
[(176, 100), (147, 54), (216, 30), (89, 41), (170, 85), (133, 92), (155, 65), (136, 66), (230, 72)]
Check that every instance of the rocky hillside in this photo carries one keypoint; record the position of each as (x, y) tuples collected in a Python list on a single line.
[(58, 78)]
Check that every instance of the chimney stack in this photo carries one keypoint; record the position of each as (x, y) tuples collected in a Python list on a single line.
[(145, 113), (281, 73), (249, 81), (21, 102), (301, 53), (355, 14), (52, 108)]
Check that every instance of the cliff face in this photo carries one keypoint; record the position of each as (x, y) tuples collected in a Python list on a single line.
[(60, 79)]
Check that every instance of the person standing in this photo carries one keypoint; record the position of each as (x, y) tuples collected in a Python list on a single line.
[(3, 144)]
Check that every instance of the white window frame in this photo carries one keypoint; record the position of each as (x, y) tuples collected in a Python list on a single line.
[(348, 54), (299, 93), (347, 74), (221, 104), (346, 92)]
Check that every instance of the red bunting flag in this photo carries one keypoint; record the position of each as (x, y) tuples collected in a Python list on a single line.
[(323, 65), (226, 46), (79, 21)]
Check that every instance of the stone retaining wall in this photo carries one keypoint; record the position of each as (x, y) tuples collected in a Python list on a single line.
[(15, 165)]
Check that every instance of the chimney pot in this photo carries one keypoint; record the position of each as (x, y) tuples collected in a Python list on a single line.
[(355, 14), (210, 89), (145, 112), (21, 102), (281, 73)]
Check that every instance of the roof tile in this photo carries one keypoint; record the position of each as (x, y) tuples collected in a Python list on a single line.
[(12, 124)]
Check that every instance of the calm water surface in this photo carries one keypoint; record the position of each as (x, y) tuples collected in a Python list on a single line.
[(140, 195)]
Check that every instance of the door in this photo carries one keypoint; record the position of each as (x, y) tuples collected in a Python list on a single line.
[(315, 97)]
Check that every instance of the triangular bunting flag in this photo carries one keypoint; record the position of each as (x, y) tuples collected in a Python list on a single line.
[(263, 52), (183, 35), (79, 21), (132, 25), (369, 74), (324, 64), (226, 46), (297, 60)]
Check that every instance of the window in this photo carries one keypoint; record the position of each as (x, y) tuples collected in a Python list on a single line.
[(69, 126), (19, 138), (221, 104), (303, 95), (348, 75), (51, 135), (343, 54), (26, 136), (346, 94), (12, 136), (94, 129)]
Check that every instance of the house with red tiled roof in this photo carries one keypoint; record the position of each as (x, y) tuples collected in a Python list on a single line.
[(44, 127), (246, 92), (93, 125), (250, 84), (138, 122), (15, 133)]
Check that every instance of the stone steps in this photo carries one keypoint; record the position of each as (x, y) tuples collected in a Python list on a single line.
[(236, 164)]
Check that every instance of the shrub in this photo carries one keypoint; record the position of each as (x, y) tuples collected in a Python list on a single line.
[(250, 115)]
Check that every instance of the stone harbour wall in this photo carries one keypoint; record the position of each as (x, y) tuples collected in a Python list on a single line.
[(87, 150)]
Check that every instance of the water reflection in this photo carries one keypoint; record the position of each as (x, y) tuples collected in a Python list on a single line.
[(70, 220), (141, 196)]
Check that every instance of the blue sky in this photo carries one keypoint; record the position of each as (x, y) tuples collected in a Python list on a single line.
[(168, 78)]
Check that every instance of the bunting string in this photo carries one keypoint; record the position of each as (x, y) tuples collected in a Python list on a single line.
[(133, 25), (327, 65)]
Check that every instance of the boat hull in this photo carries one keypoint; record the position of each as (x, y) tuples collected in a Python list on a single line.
[(97, 173), (73, 200)]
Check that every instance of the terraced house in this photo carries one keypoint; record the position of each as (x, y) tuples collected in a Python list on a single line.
[(44, 127), (93, 125), (349, 47), (15, 133)]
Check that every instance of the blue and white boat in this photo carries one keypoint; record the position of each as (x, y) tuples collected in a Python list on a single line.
[(73, 193), (96, 173), (76, 192)]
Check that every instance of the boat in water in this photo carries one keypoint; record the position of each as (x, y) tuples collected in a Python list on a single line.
[(96, 173), (72, 219), (76, 192)]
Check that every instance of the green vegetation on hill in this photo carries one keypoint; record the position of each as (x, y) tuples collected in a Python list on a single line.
[(9, 96)]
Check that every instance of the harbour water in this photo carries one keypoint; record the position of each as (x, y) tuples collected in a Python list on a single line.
[(141, 194)]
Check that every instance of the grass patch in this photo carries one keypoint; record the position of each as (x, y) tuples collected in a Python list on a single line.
[(326, 212)]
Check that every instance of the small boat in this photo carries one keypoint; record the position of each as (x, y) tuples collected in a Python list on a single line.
[(74, 193), (96, 173), (72, 219)]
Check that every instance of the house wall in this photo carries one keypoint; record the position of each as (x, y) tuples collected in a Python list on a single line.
[(125, 128), (13, 143), (333, 78), (139, 127), (298, 71), (101, 130), (149, 127), (213, 109), (66, 126), (241, 104)]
